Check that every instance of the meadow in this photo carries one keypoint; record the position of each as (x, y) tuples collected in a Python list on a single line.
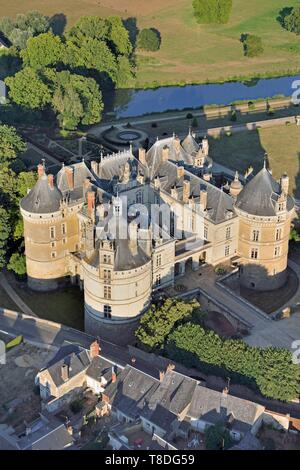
[(191, 53), (281, 143)]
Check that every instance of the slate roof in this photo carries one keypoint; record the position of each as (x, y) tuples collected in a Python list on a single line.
[(98, 368), (131, 391), (51, 435), (249, 442), (80, 173), (76, 358), (42, 199), (219, 204), (213, 407), (260, 195), (170, 399), (190, 145)]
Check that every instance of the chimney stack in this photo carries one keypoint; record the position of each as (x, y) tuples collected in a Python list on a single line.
[(113, 375), (91, 203), (65, 372), (70, 177), (95, 349), (95, 168), (40, 170), (51, 181), (284, 183), (203, 199), (165, 153), (161, 375), (186, 191), (142, 156), (180, 171)]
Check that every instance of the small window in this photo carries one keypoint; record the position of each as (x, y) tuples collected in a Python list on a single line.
[(277, 251), (53, 244), (64, 241), (107, 311), (107, 292), (107, 274), (228, 233), (52, 233), (64, 229), (254, 253), (205, 233), (158, 280), (278, 234), (106, 259), (158, 260), (227, 250), (139, 197), (255, 235), (53, 254)]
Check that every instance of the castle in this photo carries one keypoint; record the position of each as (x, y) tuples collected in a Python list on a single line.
[(97, 227)]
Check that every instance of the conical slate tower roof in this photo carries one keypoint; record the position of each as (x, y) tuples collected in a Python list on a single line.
[(189, 144), (43, 198), (260, 195)]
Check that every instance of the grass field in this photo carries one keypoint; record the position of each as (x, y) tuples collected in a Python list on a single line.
[(282, 144), (190, 53)]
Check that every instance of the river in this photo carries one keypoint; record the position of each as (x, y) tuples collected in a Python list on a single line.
[(134, 103)]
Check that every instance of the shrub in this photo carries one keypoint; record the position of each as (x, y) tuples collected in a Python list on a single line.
[(291, 22), (194, 122), (270, 370), (189, 116), (252, 44), (233, 116), (212, 11), (76, 406), (149, 40)]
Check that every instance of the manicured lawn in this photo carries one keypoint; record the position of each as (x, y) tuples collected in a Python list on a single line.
[(191, 52), (282, 144)]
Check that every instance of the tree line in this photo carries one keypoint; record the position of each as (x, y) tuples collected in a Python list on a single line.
[(172, 328), (14, 183)]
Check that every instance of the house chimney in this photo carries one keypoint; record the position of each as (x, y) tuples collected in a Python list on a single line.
[(170, 367), (186, 191), (157, 182), (105, 398), (70, 177), (51, 181), (87, 184), (142, 156), (94, 166), (161, 375), (65, 372), (113, 375), (284, 183), (203, 199), (225, 391), (95, 349), (180, 171), (40, 170), (133, 236), (177, 143), (91, 202), (174, 192), (165, 153)]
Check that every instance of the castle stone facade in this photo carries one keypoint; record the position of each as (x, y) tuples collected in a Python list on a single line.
[(127, 226)]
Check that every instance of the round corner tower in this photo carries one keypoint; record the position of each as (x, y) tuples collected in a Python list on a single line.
[(265, 211), (46, 232)]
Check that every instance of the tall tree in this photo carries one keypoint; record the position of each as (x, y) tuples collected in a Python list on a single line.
[(212, 11), (42, 51), (27, 89), (11, 144)]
